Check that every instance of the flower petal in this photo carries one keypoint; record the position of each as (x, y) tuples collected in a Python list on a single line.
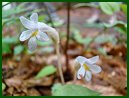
[(27, 23), (95, 68), (32, 44), (81, 72), (41, 36), (49, 30), (81, 59), (42, 26), (25, 35), (34, 17), (88, 76), (94, 59)]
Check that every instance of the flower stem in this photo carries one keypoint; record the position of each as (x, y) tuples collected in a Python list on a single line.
[(77, 66), (59, 63), (75, 77)]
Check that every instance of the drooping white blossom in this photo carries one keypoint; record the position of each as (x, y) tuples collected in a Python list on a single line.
[(36, 31), (87, 67)]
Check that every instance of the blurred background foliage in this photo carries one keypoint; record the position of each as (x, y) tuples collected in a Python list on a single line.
[(10, 20)]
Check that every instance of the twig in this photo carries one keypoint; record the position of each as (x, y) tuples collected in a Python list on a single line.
[(6, 4), (68, 32)]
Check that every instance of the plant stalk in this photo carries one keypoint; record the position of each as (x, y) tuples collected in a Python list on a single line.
[(59, 63), (68, 32), (75, 76)]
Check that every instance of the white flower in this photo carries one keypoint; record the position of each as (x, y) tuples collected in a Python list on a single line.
[(88, 66), (36, 30)]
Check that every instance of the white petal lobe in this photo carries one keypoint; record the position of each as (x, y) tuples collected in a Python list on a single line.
[(32, 44), (25, 35), (34, 17), (81, 59), (95, 68), (88, 76), (42, 26), (81, 73), (27, 23), (41, 36), (94, 59)]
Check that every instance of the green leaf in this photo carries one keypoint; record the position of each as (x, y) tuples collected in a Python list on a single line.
[(115, 6), (7, 43), (120, 30), (48, 70), (47, 43), (47, 49), (106, 8), (118, 24), (78, 5), (105, 38), (77, 36), (5, 21), (16, 10), (109, 7), (72, 90), (41, 17), (102, 51), (3, 86), (6, 48), (18, 49), (124, 8), (9, 40)]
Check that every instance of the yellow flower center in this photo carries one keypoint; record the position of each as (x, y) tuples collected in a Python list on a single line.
[(86, 67), (34, 33)]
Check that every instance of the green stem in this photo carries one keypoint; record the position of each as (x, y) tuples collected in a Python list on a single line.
[(75, 76), (59, 63), (76, 68)]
